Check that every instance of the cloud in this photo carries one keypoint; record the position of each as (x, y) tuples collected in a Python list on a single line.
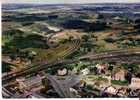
[(70, 1)]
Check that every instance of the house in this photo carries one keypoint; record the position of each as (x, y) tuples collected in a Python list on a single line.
[(117, 18), (119, 75), (62, 72), (101, 68), (17, 60), (85, 71), (29, 83), (6, 58), (122, 92), (111, 90), (20, 81), (135, 83), (54, 28)]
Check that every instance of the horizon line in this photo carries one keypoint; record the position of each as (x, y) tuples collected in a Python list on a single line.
[(75, 3)]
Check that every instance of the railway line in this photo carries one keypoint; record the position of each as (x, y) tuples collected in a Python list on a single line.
[(129, 56), (112, 54), (120, 56)]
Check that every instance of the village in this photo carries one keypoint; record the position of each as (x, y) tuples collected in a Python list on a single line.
[(70, 51)]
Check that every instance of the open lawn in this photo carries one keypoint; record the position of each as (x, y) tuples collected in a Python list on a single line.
[(54, 54), (117, 82)]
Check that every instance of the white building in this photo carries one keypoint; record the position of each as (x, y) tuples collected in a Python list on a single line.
[(85, 71), (62, 72), (111, 90), (135, 83)]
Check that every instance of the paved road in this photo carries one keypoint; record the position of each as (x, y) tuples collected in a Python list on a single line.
[(132, 55), (6, 93), (116, 55)]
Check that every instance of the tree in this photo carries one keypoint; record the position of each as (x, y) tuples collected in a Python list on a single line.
[(71, 38), (110, 68), (85, 38), (45, 83), (63, 41), (131, 67), (128, 77), (100, 16), (138, 75), (5, 67), (94, 70), (109, 40)]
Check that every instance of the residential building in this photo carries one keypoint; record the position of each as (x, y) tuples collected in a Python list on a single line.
[(101, 68), (85, 71), (120, 75), (111, 90), (62, 72), (135, 83)]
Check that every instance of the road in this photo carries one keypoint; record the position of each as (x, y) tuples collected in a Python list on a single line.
[(6, 93), (131, 55), (122, 55)]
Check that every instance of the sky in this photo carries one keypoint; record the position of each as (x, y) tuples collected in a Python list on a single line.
[(70, 1)]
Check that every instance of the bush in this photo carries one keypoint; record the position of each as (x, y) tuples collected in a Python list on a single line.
[(29, 41), (110, 40), (89, 87), (132, 67), (118, 82)]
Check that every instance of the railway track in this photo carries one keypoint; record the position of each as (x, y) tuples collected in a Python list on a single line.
[(117, 56), (121, 56), (112, 54)]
